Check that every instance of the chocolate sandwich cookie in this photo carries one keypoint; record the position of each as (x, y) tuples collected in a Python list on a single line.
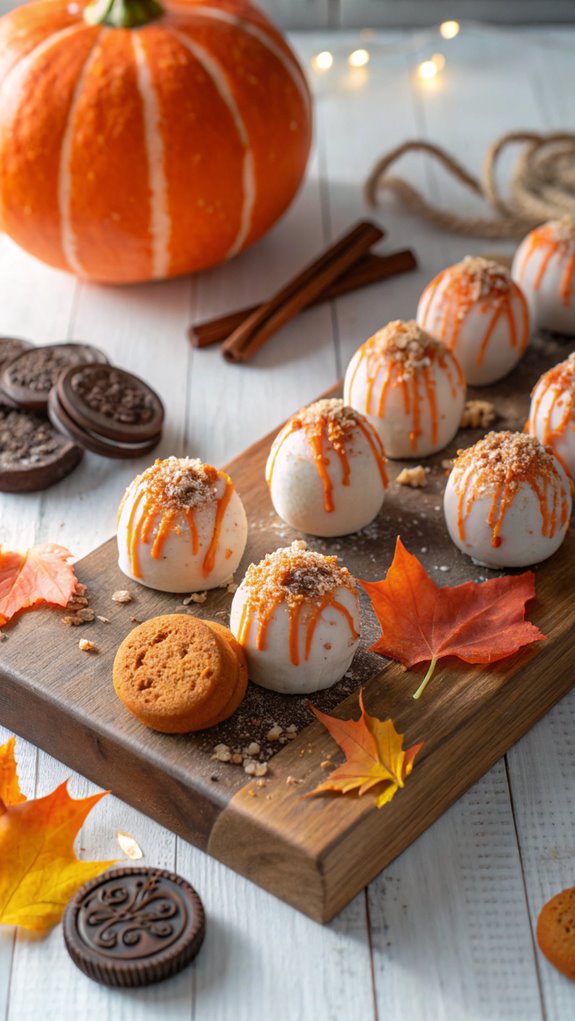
[(111, 403), (33, 455), (10, 348), (133, 926), (90, 441), (28, 378)]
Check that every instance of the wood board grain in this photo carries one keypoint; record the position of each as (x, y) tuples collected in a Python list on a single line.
[(314, 853)]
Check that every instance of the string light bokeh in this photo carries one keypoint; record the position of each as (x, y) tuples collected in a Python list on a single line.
[(426, 70)]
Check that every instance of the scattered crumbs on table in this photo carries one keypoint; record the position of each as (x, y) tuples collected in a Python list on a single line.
[(103, 620), (122, 596), (415, 477), (195, 597), (86, 646)]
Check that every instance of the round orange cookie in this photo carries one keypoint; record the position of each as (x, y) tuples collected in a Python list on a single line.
[(556, 931), (177, 674)]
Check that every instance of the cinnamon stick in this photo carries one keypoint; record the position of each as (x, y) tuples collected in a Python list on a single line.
[(370, 269), (260, 325)]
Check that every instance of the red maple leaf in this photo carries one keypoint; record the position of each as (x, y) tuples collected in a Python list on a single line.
[(421, 621)]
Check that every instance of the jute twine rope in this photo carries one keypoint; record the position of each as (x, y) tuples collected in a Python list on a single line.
[(541, 186)]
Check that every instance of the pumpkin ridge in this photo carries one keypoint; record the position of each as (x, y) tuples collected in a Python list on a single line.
[(288, 61), (67, 235), (52, 39), (214, 69), (160, 220)]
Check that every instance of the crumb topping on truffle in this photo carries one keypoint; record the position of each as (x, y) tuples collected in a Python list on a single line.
[(562, 231), (508, 457), (406, 344), (478, 279), (331, 410), (295, 574), (179, 483)]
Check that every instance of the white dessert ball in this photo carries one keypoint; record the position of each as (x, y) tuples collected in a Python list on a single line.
[(296, 615), (544, 266), (181, 527), (480, 314), (507, 501), (552, 412), (326, 470), (410, 387)]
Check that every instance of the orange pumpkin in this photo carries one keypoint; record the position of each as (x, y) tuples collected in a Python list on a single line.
[(140, 142)]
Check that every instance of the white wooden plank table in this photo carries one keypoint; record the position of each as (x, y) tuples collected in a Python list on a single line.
[(447, 931)]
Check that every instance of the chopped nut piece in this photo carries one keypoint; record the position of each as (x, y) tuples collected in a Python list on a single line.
[(326, 764), (447, 463), (261, 768), (76, 602), (237, 758), (250, 767), (232, 587), (478, 415), (103, 620), (274, 733), (414, 477), (252, 749), (293, 781), (252, 793), (195, 597), (81, 589), (121, 596), (85, 646), (261, 783)]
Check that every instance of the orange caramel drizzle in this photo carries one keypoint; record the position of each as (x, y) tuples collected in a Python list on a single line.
[(561, 381), (544, 237), (302, 581), (397, 374), (324, 433), (153, 518), (459, 297), (263, 617), (502, 479)]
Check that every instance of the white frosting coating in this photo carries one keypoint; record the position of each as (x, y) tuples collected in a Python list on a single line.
[(332, 647), (499, 355), (522, 542), (297, 491), (178, 568), (395, 424), (542, 284)]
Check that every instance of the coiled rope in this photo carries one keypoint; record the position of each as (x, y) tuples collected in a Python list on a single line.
[(541, 186)]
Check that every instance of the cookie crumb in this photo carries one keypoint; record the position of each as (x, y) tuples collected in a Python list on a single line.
[(252, 749), (122, 596), (414, 477), (222, 753), (232, 587), (274, 733), (293, 781), (103, 620), (195, 597), (478, 415), (85, 646)]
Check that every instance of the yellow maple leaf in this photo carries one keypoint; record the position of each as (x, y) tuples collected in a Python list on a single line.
[(39, 871), (375, 760)]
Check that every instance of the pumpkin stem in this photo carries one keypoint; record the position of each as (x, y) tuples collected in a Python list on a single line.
[(122, 13)]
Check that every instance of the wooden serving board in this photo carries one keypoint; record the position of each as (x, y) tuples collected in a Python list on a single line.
[(319, 852)]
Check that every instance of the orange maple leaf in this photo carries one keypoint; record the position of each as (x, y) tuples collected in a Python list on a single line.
[(421, 621), (38, 576), (39, 871), (375, 760)]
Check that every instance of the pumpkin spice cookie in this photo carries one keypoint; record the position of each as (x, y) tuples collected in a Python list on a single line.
[(178, 674), (556, 931)]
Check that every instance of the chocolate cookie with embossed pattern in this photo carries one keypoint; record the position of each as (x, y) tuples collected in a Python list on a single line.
[(111, 403), (134, 926)]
